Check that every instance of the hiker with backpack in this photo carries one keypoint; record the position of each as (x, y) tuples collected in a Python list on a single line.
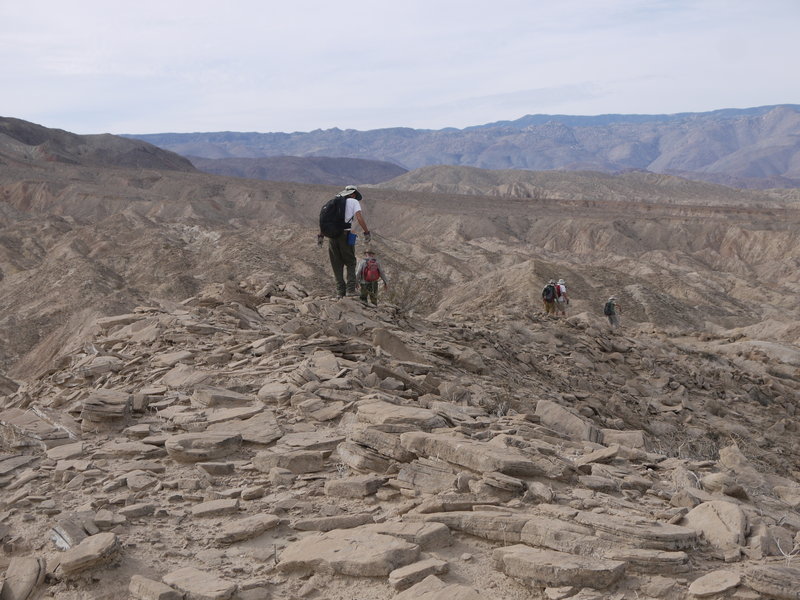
[(335, 223), (549, 297), (612, 310), (369, 272), (561, 297)]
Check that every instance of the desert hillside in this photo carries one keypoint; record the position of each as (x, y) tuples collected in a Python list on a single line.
[(186, 410), (641, 186), (23, 143), (312, 169)]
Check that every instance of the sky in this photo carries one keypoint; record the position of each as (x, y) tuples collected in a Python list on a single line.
[(91, 66)]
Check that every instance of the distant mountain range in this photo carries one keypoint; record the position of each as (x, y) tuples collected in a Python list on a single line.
[(750, 148)]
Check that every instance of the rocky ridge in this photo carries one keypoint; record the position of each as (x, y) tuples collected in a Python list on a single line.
[(294, 446)]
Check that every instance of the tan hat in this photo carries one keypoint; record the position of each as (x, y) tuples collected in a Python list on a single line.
[(350, 190)]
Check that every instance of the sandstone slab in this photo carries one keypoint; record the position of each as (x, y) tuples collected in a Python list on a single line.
[(407, 576), (349, 552), (199, 585), (142, 588), (433, 588), (473, 455), (551, 568), (714, 583), (95, 550), (202, 447), (297, 462), (378, 412), (249, 527), (22, 577)]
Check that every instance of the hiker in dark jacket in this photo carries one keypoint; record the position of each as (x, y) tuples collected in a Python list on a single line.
[(342, 248), (549, 297), (368, 273), (612, 310)]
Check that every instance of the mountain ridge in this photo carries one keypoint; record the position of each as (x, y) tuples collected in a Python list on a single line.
[(757, 147)]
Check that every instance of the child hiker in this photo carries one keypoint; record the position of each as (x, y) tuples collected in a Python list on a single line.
[(368, 272)]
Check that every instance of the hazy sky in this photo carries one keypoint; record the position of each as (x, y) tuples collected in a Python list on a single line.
[(92, 66)]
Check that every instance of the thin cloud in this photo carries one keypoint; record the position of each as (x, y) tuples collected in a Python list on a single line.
[(255, 66)]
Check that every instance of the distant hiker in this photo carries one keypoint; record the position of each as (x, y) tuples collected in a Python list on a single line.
[(335, 223), (612, 310), (549, 297), (369, 272), (561, 297)]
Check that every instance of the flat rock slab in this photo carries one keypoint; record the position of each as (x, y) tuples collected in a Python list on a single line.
[(358, 486), (211, 396), (349, 552), (22, 576), (551, 568), (297, 461), (66, 452), (480, 456), (199, 585), (323, 441), (433, 588), (334, 522), (244, 529), (95, 550), (141, 588), (782, 583), (213, 508), (427, 536), (714, 583), (377, 412), (407, 576), (215, 416), (201, 447), (261, 428)]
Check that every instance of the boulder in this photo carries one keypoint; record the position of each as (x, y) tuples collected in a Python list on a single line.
[(723, 524)]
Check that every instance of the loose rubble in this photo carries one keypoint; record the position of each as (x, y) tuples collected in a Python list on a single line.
[(308, 447)]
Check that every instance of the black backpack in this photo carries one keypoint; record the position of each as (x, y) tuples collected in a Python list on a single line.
[(549, 292), (331, 217), (608, 309)]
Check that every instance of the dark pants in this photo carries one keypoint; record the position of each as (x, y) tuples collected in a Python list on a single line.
[(343, 256), (369, 288)]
